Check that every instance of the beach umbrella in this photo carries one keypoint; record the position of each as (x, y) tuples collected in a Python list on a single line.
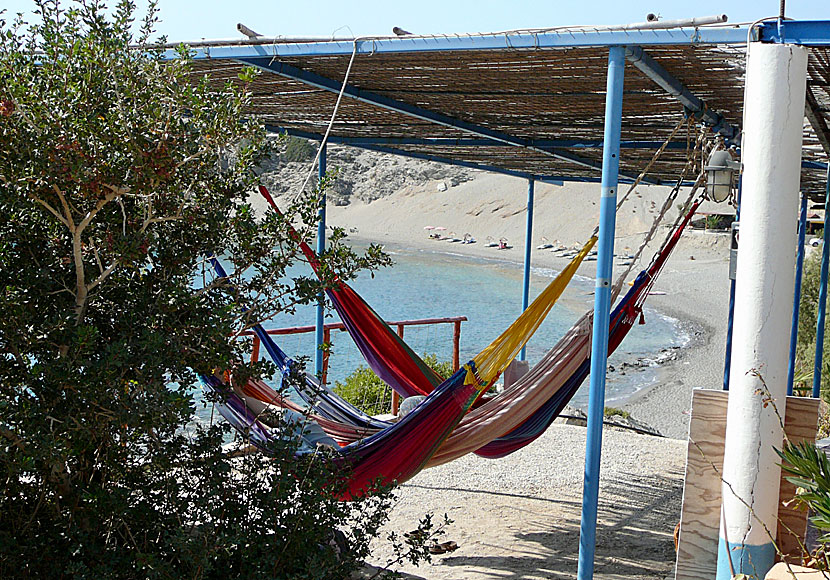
[(440, 229), (429, 227)]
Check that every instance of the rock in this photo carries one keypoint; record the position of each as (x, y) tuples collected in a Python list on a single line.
[(572, 416), (630, 423), (363, 175)]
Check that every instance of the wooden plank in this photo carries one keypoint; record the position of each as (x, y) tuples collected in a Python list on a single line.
[(697, 550), (800, 424)]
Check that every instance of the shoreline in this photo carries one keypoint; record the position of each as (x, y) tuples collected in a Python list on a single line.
[(647, 403), (520, 515)]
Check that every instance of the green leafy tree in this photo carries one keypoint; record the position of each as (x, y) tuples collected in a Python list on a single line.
[(120, 173), (807, 318)]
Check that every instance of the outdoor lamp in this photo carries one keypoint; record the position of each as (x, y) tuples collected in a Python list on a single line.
[(719, 171)]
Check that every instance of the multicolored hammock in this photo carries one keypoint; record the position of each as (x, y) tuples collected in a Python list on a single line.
[(399, 451), (384, 351), (526, 409)]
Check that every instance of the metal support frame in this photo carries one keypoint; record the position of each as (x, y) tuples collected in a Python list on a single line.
[(470, 141), (319, 354), (802, 32), (602, 310), (528, 246), (576, 37), (653, 70), (730, 322), (799, 268), (497, 137), (822, 295)]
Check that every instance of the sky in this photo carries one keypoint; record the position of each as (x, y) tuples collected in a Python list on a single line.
[(214, 19)]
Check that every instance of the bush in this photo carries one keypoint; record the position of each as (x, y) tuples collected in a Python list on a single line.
[(366, 391), (615, 412), (297, 149), (119, 174)]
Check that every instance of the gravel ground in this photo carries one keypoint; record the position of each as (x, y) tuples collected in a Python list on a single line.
[(518, 517)]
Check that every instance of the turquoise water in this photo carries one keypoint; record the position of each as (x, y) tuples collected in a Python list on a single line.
[(424, 284)]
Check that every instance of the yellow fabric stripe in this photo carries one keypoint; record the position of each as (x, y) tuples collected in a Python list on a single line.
[(492, 361)]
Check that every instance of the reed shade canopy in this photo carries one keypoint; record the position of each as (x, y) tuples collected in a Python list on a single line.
[(548, 102)]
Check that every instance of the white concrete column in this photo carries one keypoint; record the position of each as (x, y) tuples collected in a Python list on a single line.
[(773, 120)]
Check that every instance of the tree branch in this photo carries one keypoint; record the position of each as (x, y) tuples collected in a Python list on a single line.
[(51, 209), (104, 275), (115, 193), (70, 223)]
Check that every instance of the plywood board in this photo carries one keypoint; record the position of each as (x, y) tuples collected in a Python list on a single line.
[(697, 550), (697, 547), (800, 425)]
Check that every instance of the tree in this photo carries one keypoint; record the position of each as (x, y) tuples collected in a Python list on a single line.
[(120, 174), (807, 318)]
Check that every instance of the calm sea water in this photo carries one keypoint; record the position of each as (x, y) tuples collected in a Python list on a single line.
[(434, 284)]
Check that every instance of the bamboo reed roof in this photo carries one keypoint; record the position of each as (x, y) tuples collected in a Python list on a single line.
[(530, 94)]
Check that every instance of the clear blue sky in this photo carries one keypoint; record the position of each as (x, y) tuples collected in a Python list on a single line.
[(192, 20)]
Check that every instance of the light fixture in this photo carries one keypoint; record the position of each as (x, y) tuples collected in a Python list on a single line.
[(719, 175)]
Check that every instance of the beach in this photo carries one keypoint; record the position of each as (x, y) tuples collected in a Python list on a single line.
[(693, 287), (519, 516)]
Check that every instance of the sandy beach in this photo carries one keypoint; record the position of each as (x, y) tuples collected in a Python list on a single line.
[(519, 517)]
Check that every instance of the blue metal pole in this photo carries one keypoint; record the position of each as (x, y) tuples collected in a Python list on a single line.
[(321, 247), (799, 267), (729, 324), (528, 243), (602, 309), (822, 295)]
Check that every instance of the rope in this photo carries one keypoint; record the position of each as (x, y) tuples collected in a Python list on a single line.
[(651, 163), (690, 161), (331, 121), (647, 168)]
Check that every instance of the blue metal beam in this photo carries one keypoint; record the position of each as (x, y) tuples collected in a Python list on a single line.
[(731, 319), (653, 70), (448, 142), (799, 269), (806, 164), (553, 179), (281, 47), (803, 32), (822, 295), (472, 142), (602, 311), (497, 137), (528, 246)]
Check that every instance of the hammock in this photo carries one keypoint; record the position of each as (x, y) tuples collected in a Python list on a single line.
[(385, 352), (499, 353), (399, 451), (393, 454), (526, 409)]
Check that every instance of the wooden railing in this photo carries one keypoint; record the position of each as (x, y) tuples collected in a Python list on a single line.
[(398, 324)]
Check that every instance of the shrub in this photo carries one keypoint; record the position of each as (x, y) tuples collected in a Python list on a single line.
[(615, 412), (366, 391), (297, 149), (119, 174)]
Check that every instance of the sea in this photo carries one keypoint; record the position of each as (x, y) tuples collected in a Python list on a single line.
[(439, 283)]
